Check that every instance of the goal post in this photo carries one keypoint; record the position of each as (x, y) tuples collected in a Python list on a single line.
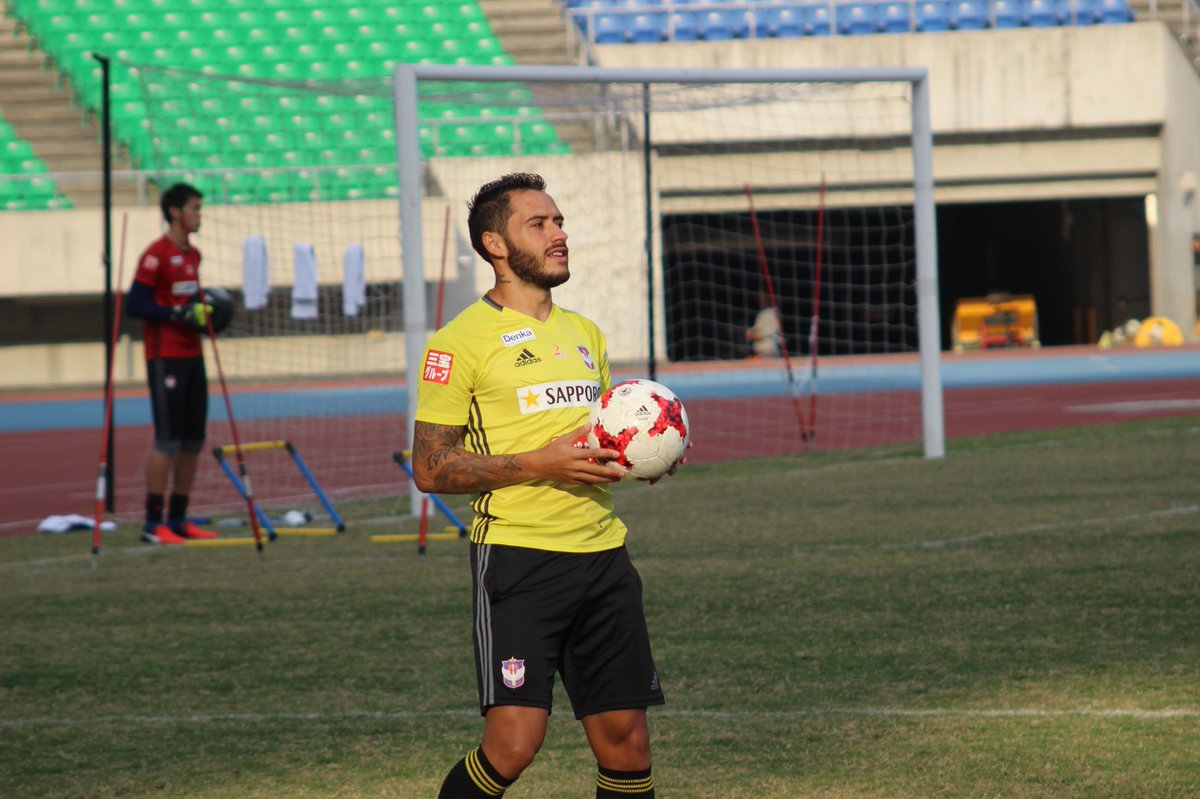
[(649, 144)]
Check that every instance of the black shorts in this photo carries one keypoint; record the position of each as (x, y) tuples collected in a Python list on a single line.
[(179, 402), (580, 614)]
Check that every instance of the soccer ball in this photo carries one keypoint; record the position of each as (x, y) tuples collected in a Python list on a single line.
[(645, 422)]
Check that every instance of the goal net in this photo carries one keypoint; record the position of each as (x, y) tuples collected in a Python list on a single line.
[(702, 209), (705, 206)]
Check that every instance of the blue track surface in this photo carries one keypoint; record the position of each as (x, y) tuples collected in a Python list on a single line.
[(836, 377)]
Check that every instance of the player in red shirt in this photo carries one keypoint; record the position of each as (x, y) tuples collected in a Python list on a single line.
[(165, 296)]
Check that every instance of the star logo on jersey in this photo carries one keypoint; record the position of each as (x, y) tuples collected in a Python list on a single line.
[(513, 672), (531, 399), (587, 358), (526, 358)]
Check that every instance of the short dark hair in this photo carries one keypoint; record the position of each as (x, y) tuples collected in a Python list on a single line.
[(176, 197), (489, 209)]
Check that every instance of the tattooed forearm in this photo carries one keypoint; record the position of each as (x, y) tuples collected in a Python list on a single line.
[(440, 460)]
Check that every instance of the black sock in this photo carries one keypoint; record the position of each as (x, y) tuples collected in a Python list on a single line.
[(154, 509), (623, 784), (177, 511), (473, 778)]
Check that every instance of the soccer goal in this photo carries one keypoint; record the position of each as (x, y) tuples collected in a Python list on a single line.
[(696, 199), (699, 203)]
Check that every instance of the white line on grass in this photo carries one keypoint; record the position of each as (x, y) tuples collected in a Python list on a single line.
[(1099, 521), (200, 719)]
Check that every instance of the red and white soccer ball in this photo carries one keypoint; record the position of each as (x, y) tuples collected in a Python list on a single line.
[(645, 422)]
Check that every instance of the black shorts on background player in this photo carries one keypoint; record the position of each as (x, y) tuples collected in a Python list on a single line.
[(178, 402)]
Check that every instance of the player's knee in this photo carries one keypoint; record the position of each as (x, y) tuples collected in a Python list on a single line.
[(512, 756), (625, 747)]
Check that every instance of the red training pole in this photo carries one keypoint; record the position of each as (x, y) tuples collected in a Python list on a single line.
[(237, 444), (102, 478), (787, 361), (424, 529)]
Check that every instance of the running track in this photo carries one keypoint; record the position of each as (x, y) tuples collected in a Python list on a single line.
[(50, 443)]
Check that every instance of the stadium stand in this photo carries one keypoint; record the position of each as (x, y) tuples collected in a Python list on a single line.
[(292, 41), (612, 21), (24, 184)]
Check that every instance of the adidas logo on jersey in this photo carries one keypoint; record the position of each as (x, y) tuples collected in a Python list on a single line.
[(526, 358)]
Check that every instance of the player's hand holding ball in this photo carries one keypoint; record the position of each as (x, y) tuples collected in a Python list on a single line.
[(645, 423)]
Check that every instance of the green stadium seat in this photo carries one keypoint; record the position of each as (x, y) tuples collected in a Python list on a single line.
[(247, 127)]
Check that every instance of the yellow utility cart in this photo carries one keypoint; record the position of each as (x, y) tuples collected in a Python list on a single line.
[(995, 321)]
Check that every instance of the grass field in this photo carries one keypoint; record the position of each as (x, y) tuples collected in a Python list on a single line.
[(1021, 619)]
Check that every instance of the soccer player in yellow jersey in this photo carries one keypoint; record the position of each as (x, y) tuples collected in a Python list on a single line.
[(502, 401)]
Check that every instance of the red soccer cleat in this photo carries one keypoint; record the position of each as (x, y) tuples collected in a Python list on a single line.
[(190, 530), (162, 534)]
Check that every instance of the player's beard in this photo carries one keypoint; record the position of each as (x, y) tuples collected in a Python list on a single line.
[(530, 269)]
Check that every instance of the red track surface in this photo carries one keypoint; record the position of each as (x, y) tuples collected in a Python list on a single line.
[(43, 473)]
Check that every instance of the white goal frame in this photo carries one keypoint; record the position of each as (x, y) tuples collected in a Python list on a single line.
[(407, 77)]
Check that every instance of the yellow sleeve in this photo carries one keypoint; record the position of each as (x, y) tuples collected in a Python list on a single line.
[(447, 382)]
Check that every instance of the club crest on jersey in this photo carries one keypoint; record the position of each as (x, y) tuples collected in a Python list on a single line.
[(517, 337), (437, 367), (559, 394), (513, 671), (526, 358), (587, 358)]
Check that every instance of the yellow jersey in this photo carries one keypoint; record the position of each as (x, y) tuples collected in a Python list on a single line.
[(516, 384)]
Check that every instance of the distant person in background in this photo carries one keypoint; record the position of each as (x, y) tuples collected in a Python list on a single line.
[(165, 296), (764, 335)]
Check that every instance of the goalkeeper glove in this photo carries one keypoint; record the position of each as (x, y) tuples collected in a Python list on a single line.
[(194, 313)]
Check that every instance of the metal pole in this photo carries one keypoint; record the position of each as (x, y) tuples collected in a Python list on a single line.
[(651, 365), (106, 167), (408, 168), (929, 334)]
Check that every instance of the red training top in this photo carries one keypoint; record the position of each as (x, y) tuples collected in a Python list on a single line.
[(173, 274)]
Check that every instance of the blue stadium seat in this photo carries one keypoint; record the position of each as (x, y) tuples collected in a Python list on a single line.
[(932, 15), (817, 20), (1114, 12), (856, 19), (684, 26), (1039, 13), (1082, 12), (972, 15), (1006, 13), (723, 25), (610, 29), (893, 16), (783, 22), (648, 28)]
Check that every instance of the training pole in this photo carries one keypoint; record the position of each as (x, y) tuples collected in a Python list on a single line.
[(102, 479), (816, 312), (233, 431), (783, 351)]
